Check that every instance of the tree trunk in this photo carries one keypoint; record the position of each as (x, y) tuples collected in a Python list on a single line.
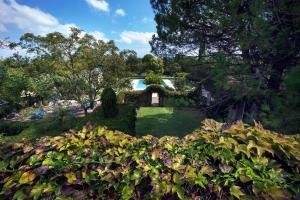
[(275, 80), (85, 111), (253, 111), (201, 52), (240, 110), (236, 112)]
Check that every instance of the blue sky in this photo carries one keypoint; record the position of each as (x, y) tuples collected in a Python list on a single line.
[(128, 22)]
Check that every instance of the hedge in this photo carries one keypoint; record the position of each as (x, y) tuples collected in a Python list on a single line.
[(109, 103), (220, 161), (143, 97)]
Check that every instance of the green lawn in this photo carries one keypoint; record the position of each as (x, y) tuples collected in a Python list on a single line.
[(161, 121), (124, 121)]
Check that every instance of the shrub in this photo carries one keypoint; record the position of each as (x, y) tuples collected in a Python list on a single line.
[(109, 103), (12, 128), (62, 111), (121, 97), (153, 79), (178, 102), (220, 161)]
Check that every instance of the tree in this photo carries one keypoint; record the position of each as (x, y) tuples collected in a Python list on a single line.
[(153, 64), (180, 81), (82, 65), (259, 42), (152, 78), (133, 63)]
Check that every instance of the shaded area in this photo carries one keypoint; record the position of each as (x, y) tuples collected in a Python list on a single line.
[(52, 126), (161, 121)]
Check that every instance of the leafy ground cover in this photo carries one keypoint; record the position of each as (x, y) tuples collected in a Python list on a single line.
[(52, 126), (219, 161), (161, 121)]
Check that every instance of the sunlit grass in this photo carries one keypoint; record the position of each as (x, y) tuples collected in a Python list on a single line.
[(161, 121)]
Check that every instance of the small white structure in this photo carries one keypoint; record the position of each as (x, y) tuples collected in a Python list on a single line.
[(155, 99)]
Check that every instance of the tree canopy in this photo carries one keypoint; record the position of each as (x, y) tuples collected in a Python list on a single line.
[(244, 50)]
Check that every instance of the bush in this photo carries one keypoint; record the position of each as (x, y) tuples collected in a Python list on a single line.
[(220, 161), (121, 97), (109, 103), (12, 128), (8, 108), (153, 79), (178, 102)]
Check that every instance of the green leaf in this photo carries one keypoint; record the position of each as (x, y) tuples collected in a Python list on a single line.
[(236, 191), (136, 176), (3, 165), (48, 162), (206, 169), (36, 191), (19, 195), (176, 178), (201, 181), (127, 192), (190, 173)]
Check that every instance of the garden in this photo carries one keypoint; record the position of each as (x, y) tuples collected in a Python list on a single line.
[(212, 112)]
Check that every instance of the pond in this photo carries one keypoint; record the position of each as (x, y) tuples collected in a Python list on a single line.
[(138, 84)]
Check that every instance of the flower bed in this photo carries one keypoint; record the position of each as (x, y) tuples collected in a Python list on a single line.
[(218, 161)]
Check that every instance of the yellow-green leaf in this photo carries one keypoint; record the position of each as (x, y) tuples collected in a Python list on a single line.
[(71, 177), (236, 191), (27, 177)]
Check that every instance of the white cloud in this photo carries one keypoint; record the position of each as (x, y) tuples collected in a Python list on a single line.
[(29, 19), (99, 5), (34, 20), (132, 36), (120, 12), (99, 35)]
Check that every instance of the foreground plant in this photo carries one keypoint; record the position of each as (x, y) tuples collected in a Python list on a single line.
[(220, 161)]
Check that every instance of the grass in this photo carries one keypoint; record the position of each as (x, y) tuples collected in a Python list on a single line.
[(53, 126), (161, 121)]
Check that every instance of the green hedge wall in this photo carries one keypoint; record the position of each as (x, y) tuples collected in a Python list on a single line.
[(143, 98)]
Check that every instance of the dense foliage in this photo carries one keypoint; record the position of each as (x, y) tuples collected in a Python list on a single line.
[(179, 102), (109, 102), (152, 78), (74, 66), (244, 52), (218, 161)]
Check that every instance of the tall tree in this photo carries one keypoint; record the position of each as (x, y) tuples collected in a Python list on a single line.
[(82, 65), (259, 39)]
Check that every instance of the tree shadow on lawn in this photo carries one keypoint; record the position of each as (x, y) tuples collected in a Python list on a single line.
[(178, 122), (52, 126)]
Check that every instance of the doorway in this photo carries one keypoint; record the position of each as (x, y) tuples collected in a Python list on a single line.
[(155, 99)]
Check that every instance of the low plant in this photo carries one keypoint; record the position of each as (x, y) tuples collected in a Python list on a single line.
[(219, 161)]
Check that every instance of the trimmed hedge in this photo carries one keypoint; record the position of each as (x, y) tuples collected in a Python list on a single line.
[(143, 97), (109, 103), (220, 161)]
